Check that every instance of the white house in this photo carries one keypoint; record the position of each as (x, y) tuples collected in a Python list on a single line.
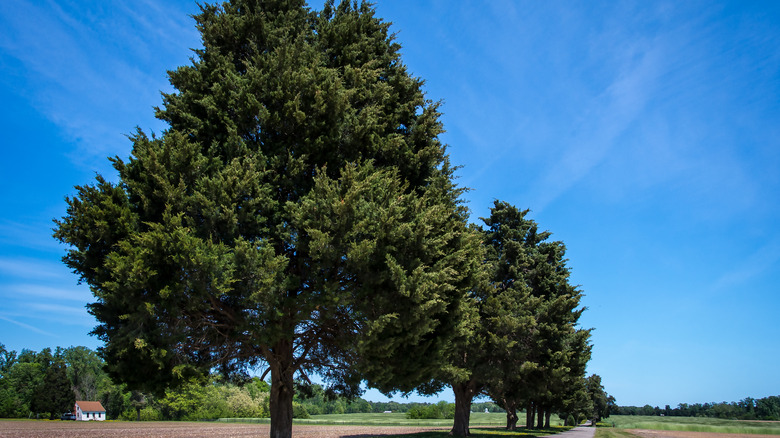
[(89, 410)]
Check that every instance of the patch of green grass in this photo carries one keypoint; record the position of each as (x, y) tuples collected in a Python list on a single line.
[(613, 433), (694, 424)]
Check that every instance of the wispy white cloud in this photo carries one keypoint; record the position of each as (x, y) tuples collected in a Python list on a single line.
[(28, 291), (63, 314), (602, 121), (28, 268), (91, 72), (30, 235), (764, 259), (27, 326)]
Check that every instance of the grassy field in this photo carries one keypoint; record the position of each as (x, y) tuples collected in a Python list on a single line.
[(395, 419), (613, 433), (694, 424)]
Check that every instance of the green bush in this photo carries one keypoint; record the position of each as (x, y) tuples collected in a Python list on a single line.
[(604, 424), (147, 414), (570, 420), (439, 411), (299, 411)]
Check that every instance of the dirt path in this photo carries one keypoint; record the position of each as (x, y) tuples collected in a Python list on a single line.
[(95, 429), (578, 432)]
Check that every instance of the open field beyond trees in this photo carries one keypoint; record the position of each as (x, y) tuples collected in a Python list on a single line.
[(395, 419), (694, 424)]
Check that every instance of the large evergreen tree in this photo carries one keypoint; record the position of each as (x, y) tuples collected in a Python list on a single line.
[(55, 394), (495, 336), (551, 352), (299, 212)]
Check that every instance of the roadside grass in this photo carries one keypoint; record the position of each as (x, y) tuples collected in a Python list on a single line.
[(613, 433), (694, 424)]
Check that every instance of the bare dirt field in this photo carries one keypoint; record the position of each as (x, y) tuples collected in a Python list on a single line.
[(646, 433), (95, 429)]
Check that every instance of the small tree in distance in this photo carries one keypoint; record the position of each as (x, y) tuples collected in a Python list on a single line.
[(299, 212)]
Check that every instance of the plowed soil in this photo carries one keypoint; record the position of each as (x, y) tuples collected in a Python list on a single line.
[(645, 433), (96, 429)]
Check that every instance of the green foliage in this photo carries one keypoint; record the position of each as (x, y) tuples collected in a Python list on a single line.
[(767, 408), (318, 401), (85, 372), (542, 363), (21, 382), (148, 413), (441, 410), (196, 401), (490, 406), (300, 210), (27, 387), (300, 411), (54, 395)]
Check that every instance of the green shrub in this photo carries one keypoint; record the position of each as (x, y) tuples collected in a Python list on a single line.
[(604, 424), (299, 411), (148, 413), (570, 420), (439, 411)]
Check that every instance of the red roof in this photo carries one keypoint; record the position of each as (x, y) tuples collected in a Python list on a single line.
[(90, 406)]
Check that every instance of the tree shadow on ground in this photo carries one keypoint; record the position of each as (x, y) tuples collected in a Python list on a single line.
[(476, 432)]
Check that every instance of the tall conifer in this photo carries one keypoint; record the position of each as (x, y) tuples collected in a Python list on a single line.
[(299, 212)]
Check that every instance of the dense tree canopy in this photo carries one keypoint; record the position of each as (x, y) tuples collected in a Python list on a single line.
[(299, 212), (549, 353), (519, 343)]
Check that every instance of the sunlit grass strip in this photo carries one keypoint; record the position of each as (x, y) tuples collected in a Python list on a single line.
[(613, 433), (695, 424), (707, 428)]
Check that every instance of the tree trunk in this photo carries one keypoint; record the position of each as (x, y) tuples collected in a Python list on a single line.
[(282, 390), (464, 393), (137, 413), (529, 416), (539, 417), (511, 415), (547, 414)]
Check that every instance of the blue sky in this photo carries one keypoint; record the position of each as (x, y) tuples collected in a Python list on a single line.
[(645, 135)]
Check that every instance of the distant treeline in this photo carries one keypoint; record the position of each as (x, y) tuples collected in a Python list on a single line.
[(313, 399), (767, 408)]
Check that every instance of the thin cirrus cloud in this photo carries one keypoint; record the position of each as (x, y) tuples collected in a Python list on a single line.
[(32, 291), (19, 267), (29, 327), (86, 67)]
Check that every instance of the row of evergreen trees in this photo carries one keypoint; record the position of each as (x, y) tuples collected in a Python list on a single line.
[(301, 212)]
